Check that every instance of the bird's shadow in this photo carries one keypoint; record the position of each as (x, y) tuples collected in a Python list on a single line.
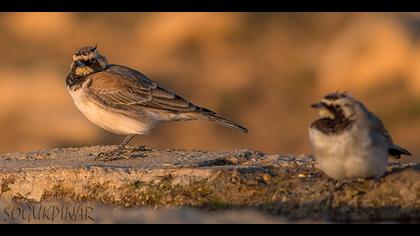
[(137, 152)]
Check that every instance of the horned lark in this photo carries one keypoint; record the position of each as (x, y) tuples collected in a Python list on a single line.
[(124, 101), (349, 141)]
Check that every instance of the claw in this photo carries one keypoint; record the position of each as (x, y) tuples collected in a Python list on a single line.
[(115, 154), (108, 156)]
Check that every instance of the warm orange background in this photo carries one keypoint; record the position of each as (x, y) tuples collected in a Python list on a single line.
[(262, 70)]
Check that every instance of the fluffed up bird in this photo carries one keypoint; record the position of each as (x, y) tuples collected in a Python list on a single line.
[(349, 141)]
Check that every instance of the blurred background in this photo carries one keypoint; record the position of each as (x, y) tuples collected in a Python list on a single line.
[(262, 70)]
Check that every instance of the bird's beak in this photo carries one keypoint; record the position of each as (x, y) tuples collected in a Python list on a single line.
[(318, 105)]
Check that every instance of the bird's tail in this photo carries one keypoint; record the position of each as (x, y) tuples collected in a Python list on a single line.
[(396, 151), (213, 117)]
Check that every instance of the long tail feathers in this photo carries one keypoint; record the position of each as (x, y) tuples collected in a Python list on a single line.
[(222, 121)]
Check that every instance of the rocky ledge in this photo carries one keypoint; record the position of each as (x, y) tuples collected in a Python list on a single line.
[(284, 187)]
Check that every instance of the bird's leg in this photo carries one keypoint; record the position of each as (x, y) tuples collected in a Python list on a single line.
[(114, 155)]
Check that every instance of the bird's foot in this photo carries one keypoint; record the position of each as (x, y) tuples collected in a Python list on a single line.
[(110, 156), (118, 154)]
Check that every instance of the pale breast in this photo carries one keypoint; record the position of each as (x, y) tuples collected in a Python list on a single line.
[(331, 144), (108, 119), (348, 155)]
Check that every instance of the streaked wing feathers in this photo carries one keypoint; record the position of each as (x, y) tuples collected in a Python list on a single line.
[(123, 87)]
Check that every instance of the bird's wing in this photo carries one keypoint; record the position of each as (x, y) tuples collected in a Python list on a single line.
[(378, 126), (126, 88)]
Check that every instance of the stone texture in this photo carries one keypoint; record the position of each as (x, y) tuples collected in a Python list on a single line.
[(286, 187)]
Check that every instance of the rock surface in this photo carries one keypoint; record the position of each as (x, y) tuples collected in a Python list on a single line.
[(88, 213), (285, 187)]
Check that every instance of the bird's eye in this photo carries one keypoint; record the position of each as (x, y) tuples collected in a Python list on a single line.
[(93, 60)]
